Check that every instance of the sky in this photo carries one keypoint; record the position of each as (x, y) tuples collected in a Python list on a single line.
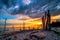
[(27, 9), (33, 8)]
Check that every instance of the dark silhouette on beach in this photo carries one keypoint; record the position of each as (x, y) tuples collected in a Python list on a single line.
[(55, 24)]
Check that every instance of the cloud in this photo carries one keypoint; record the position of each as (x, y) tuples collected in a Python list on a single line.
[(22, 17), (35, 9)]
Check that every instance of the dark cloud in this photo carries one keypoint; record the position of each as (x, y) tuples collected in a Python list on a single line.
[(34, 9)]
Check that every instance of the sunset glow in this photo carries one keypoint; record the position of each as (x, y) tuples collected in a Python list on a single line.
[(55, 18), (29, 23)]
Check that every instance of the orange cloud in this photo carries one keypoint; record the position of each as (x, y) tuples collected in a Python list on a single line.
[(55, 18), (36, 23)]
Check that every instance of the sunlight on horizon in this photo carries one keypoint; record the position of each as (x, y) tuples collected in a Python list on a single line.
[(32, 23)]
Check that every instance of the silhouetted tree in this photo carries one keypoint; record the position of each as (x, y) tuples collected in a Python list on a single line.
[(55, 24)]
